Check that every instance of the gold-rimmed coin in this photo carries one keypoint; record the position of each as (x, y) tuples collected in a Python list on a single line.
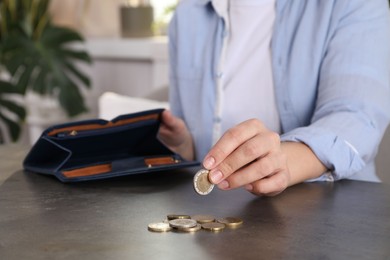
[(182, 223), (231, 222), (203, 218), (213, 226), (191, 229), (177, 216), (202, 185), (159, 227)]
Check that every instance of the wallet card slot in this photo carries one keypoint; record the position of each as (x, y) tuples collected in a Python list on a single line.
[(108, 144), (75, 134), (160, 161), (110, 124), (137, 142), (88, 171), (120, 165)]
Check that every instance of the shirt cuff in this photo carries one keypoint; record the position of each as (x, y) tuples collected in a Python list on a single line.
[(339, 156)]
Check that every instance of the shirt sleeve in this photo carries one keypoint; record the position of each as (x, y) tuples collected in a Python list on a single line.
[(353, 101)]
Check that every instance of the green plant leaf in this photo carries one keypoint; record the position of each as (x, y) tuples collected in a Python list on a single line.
[(55, 36), (8, 88), (39, 84), (13, 128), (14, 108), (72, 100), (25, 77), (78, 74), (39, 56), (77, 55)]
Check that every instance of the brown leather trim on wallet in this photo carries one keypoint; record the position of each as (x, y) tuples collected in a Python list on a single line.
[(98, 126), (150, 162), (88, 171)]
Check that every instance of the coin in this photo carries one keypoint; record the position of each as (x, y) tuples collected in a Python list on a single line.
[(203, 218), (230, 222), (159, 227), (182, 223), (202, 185), (191, 229), (177, 216), (213, 226)]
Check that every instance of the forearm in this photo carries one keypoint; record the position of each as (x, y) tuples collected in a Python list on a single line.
[(302, 163), (174, 134)]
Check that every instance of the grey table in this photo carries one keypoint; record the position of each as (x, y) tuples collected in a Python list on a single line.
[(41, 218)]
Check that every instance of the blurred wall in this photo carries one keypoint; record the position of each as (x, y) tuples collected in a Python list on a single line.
[(93, 18)]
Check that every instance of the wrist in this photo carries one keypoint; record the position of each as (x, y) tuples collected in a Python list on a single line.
[(302, 163), (187, 150)]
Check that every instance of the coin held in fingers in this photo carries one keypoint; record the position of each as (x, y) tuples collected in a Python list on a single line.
[(202, 185)]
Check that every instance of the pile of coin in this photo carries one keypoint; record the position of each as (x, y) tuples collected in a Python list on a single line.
[(187, 223)]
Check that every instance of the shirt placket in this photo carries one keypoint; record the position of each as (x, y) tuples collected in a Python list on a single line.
[(222, 9)]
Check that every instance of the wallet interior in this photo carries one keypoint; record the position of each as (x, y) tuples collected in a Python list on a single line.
[(101, 147)]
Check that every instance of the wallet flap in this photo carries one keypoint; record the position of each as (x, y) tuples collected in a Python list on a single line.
[(46, 156)]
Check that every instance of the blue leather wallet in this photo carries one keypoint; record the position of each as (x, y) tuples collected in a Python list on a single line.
[(99, 149)]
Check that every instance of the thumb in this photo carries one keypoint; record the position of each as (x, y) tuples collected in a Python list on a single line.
[(169, 120)]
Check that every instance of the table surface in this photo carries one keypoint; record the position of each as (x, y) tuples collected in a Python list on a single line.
[(41, 218)]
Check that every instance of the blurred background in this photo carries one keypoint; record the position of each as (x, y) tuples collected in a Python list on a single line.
[(58, 59)]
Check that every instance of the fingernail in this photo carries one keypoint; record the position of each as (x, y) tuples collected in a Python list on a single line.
[(249, 187), (209, 162), (216, 176), (223, 185)]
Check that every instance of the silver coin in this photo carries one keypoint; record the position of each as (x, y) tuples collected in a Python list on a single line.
[(182, 223), (202, 185), (191, 229), (159, 227)]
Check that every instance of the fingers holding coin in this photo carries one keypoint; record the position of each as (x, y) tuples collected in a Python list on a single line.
[(246, 148), (260, 169)]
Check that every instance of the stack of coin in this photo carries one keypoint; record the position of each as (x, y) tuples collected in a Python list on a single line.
[(186, 223)]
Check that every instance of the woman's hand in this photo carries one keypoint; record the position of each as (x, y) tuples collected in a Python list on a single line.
[(174, 134), (252, 156)]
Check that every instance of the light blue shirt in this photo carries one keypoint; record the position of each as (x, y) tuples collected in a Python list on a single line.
[(331, 66)]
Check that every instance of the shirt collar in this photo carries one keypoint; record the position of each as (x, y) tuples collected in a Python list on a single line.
[(279, 3), (220, 6)]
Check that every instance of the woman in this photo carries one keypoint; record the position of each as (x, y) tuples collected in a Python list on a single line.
[(270, 93)]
